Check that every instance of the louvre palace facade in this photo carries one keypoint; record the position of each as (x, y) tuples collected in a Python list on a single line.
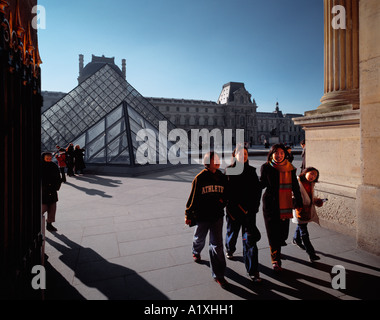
[(234, 109)]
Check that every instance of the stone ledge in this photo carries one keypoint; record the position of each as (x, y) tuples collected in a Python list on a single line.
[(335, 118), (338, 190)]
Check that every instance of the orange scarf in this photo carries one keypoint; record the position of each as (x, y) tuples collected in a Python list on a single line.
[(285, 169)]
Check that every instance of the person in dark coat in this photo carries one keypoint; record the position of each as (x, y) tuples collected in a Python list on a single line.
[(278, 178), (206, 205), (303, 155), (79, 159), (243, 205), (70, 160), (50, 184), (291, 156)]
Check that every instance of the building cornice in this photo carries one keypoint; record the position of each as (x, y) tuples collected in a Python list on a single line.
[(331, 119)]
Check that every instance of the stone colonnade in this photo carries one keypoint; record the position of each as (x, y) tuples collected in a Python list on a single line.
[(341, 55)]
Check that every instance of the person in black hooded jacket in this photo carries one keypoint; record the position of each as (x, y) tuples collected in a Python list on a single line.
[(243, 205), (50, 183)]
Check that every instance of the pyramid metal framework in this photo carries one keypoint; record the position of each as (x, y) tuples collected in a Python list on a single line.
[(104, 115)]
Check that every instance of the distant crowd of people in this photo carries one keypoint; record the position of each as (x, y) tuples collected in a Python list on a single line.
[(52, 176), (286, 197), (70, 158)]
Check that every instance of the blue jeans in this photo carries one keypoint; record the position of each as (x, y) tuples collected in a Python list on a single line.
[(217, 259), (250, 254), (301, 235), (233, 229), (250, 250)]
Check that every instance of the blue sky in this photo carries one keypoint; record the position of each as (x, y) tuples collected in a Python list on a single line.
[(189, 49)]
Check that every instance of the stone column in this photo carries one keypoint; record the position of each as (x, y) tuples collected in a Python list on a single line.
[(341, 56), (368, 193)]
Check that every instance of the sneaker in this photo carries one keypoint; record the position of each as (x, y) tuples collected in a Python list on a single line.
[(299, 244), (229, 255), (197, 258), (313, 257), (255, 278), (50, 227), (222, 282), (276, 267)]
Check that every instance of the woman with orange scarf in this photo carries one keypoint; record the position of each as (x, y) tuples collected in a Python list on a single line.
[(278, 177)]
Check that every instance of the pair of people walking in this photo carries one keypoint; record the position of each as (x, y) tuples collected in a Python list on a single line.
[(240, 194), (287, 197), (211, 192)]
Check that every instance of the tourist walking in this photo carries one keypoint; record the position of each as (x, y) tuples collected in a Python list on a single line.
[(50, 184), (278, 178), (303, 155), (61, 158), (291, 156), (70, 160), (79, 164), (205, 208), (243, 205), (307, 213)]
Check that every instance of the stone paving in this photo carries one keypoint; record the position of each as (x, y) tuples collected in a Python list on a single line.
[(124, 238)]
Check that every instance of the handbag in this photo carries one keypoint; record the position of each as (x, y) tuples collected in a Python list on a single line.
[(303, 214), (192, 216)]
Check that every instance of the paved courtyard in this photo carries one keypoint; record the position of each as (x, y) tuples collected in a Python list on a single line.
[(125, 238)]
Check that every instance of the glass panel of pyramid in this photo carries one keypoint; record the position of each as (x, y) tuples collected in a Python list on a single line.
[(103, 115)]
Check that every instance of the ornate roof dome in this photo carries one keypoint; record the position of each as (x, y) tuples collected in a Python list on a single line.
[(95, 65)]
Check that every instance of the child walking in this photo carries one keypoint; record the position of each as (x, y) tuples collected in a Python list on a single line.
[(205, 208), (243, 205), (307, 213)]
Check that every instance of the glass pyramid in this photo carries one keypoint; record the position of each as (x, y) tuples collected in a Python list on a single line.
[(103, 115)]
